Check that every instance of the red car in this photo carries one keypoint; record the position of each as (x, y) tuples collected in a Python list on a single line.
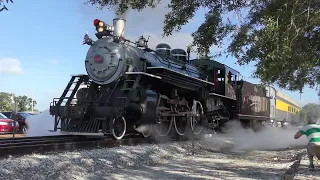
[(6, 124)]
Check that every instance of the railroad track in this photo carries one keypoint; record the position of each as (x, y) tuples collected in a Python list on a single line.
[(48, 144)]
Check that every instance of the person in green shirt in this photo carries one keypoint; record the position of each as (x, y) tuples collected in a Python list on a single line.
[(312, 131)]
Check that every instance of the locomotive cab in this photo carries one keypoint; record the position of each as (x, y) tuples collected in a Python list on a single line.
[(224, 78)]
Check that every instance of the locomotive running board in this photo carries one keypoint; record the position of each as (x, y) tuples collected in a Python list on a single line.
[(178, 79), (161, 67), (143, 73), (214, 94)]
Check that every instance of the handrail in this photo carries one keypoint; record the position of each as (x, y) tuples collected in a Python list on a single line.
[(173, 61), (57, 99)]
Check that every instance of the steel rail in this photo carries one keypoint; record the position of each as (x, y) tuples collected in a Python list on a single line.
[(35, 138), (45, 145)]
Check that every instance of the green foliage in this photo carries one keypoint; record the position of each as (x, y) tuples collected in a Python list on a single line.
[(309, 111), (281, 37), (5, 101), (4, 6), (24, 103)]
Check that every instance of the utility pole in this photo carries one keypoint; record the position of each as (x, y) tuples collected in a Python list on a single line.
[(319, 96), (32, 101), (14, 113)]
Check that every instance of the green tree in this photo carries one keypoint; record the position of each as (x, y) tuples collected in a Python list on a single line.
[(4, 6), (22, 102), (29, 106), (308, 111), (5, 101), (281, 37)]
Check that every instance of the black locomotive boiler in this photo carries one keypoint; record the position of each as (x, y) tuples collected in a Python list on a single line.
[(130, 88)]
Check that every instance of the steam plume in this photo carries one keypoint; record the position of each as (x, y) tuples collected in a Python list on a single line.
[(269, 138), (40, 124)]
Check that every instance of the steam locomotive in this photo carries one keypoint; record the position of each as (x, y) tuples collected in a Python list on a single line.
[(130, 88)]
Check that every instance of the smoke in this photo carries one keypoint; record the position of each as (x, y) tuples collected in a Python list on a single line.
[(268, 138), (160, 127), (40, 124), (137, 21), (143, 128)]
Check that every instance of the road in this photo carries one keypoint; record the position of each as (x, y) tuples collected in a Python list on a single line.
[(10, 135)]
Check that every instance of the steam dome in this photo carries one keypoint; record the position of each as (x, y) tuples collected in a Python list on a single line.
[(163, 49), (179, 54)]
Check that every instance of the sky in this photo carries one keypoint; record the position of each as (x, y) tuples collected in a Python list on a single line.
[(41, 45)]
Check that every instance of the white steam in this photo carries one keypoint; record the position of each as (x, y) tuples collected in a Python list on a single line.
[(269, 138), (40, 124), (143, 128)]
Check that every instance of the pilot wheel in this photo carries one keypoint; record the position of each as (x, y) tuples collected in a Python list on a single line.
[(119, 127)]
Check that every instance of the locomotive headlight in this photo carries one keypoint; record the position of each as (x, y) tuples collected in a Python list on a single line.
[(101, 23), (100, 29)]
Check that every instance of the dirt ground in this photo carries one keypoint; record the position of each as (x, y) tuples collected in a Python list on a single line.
[(229, 166), (174, 161), (10, 135), (304, 174)]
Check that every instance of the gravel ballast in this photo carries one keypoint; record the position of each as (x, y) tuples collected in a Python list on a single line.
[(303, 172), (161, 161)]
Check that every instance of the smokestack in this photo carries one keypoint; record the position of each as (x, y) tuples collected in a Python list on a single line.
[(119, 25)]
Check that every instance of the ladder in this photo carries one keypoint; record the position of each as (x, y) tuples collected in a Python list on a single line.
[(128, 86), (77, 80), (127, 91)]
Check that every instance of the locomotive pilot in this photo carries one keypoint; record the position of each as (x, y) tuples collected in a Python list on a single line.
[(312, 131)]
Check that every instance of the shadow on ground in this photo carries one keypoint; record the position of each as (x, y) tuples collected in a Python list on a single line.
[(133, 163)]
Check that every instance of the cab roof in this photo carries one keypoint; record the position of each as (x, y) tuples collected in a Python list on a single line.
[(214, 64)]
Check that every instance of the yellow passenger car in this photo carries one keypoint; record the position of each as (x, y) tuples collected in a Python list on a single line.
[(287, 110)]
